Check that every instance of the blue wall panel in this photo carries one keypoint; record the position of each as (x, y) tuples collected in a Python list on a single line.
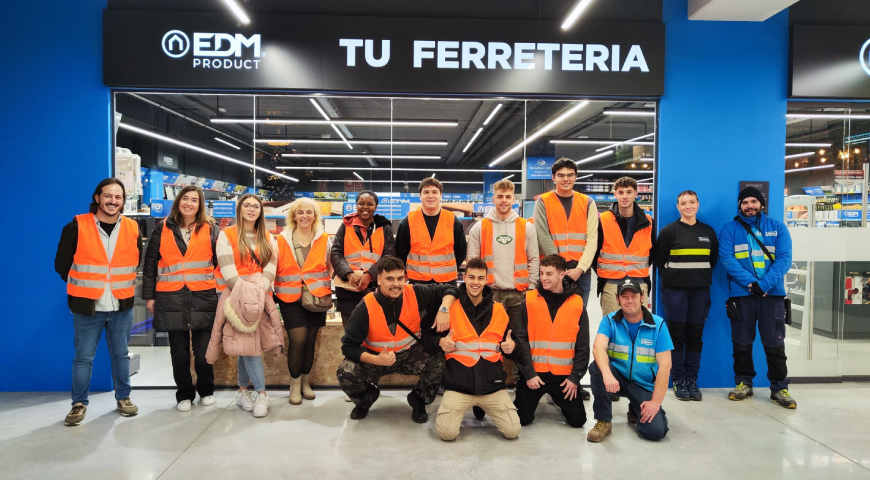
[(722, 120)]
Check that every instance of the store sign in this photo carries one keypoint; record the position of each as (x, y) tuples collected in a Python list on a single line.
[(540, 168), (830, 62), (376, 54), (223, 209), (851, 174), (763, 186)]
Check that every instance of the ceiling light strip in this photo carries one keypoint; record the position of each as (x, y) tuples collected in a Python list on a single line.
[(353, 142), (339, 121), (808, 144), (227, 143), (538, 133), (594, 157), (472, 139), (834, 116), (642, 172), (324, 167), (360, 155), (599, 142), (627, 142), (494, 111), (358, 176), (404, 181), (634, 113), (238, 12), (799, 155), (575, 13), (334, 127), (808, 168)]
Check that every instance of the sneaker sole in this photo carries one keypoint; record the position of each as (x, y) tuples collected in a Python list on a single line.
[(790, 406), (696, 399), (597, 441), (76, 424), (128, 414)]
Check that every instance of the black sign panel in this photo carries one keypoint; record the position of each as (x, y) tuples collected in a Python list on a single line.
[(373, 54), (762, 186), (830, 62)]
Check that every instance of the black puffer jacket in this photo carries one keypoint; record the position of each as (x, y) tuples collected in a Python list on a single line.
[(180, 310)]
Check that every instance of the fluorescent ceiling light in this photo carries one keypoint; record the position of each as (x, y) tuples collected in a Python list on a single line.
[(353, 141), (834, 116), (360, 155), (340, 121), (509, 176), (334, 127), (494, 111), (594, 157), (628, 142), (646, 159), (402, 181), (636, 113), (599, 142), (384, 169), (584, 176), (358, 176), (645, 180), (201, 150), (798, 144), (808, 168), (227, 143), (237, 10), (433, 174), (538, 133), (472, 139), (639, 172), (798, 155), (575, 13)]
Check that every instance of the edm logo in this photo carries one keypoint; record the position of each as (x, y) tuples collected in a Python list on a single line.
[(157, 207), (865, 57), (215, 50)]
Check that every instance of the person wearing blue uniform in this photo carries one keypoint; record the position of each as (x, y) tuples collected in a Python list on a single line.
[(632, 353), (755, 250)]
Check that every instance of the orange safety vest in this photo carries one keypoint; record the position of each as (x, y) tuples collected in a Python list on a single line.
[(379, 335), (250, 266), (194, 269), (359, 255), (552, 342), (289, 277), (431, 258), (521, 262), (615, 261), (469, 346), (568, 233), (91, 270)]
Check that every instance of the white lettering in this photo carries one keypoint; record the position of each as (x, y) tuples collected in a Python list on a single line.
[(241, 42), (247, 64), (351, 44), (596, 56), (224, 45), (635, 60), (420, 54), (219, 40), (572, 59), (205, 63), (196, 62), (499, 53), (370, 53), (201, 44), (522, 53), (548, 49), (473, 52), (614, 58), (448, 50)]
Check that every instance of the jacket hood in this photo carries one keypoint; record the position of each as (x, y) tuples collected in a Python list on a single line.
[(756, 220), (487, 294), (352, 219), (246, 303), (570, 288), (512, 217), (639, 215)]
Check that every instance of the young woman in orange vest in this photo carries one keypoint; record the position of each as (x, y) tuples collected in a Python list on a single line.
[(303, 263), (179, 288), (244, 249)]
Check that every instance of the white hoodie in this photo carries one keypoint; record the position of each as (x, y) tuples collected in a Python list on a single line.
[(503, 249)]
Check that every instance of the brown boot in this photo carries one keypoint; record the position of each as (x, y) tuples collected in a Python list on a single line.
[(599, 431), (307, 392), (295, 391)]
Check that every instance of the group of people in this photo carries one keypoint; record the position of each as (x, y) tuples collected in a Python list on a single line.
[(524, 297)]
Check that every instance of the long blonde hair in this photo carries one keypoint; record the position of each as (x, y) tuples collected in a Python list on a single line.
[(201, 217), (296, 205), (263, 239)]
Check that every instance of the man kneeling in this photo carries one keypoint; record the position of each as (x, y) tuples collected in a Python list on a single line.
[(384, 336), (632, 359), (473, 374)]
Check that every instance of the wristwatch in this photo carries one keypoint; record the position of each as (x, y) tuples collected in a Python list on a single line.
[(443, 309)]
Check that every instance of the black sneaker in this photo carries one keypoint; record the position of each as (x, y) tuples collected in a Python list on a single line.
[(783, 399), (613, 397), (694, 391), (359, 413), (418, 408), (584, 394), (680, 390), (479, 413)]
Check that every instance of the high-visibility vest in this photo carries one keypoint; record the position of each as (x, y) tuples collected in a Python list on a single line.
[(289, 277), (521, 262), (469, 346), (359, 255), (617, 261), (91, 270), (552, 342), (250, 266), (379, 336), (431, 258), (568, 233), (194, 269)]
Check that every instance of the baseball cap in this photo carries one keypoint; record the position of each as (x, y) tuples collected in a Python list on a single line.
[(629, 284)]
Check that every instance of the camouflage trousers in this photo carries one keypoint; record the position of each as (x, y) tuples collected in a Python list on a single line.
[(359, 380)]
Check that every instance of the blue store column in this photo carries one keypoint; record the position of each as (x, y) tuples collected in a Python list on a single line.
[(722, 120), (52, 82)]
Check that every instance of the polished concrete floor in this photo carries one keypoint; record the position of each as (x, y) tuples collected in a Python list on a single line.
[(826, 437)]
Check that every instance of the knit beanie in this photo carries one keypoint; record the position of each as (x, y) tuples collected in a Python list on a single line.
[(750, 192)]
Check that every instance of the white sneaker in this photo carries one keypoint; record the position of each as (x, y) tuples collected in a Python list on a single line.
[(261, 406), (184, 406), (245, 401), (207, 401)]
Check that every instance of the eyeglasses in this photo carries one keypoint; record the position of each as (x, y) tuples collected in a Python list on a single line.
[(251, 206), (562, 176)]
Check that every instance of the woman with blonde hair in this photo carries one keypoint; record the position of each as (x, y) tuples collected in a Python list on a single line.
[(303, 290)]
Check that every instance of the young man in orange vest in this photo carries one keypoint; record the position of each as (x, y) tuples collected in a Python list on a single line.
[(626, 235), (385, 335), (553, 340), (431, 240), (98, 256), (473, 374)]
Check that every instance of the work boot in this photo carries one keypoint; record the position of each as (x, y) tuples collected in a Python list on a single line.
[(583, 394), (613, 397), (307, 392), (127, 408), (599, 431), (76, 415), (418, 408), (295, 391), (632, 419), (680, 390), (783, 398), (360, 412), (479, 413), (694, 391), (740, 392)]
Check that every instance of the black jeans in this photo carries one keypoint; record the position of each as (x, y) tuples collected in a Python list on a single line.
[(179, 349), (602, 406), (686, 312), (769, 314), (527, 400)]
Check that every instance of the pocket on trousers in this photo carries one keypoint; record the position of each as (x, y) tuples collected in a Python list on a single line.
[(707, 305), (779, 318), (732, 309), (444, 410), (514, 417)]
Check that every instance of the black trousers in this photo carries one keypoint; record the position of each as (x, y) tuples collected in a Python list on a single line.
[(768, 314), (527, 401), (179, 350)]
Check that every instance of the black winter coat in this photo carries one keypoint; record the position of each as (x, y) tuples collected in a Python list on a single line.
[(341, 268), (183, 309)]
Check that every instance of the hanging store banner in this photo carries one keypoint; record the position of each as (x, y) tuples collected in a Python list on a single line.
[(830, 62), (373, 54)]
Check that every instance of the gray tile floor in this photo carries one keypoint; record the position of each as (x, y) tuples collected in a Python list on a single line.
[(826, 437)]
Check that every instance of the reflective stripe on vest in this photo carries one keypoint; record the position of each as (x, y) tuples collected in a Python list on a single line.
[(250, 266), (568, 233), (359, 255), (379, 335), (194, 269), (470, 346), (618, 261), (623, 352), (314, 274), (552, 342), (92, 271), (521, 261), (431, 258)]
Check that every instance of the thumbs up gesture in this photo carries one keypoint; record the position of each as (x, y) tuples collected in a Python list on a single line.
[(507, 346), (386, 358), (447, 344)]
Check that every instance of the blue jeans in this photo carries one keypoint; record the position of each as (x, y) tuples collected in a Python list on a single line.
[(584, 283), (251, 370), (87, 332), (602, 407)]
